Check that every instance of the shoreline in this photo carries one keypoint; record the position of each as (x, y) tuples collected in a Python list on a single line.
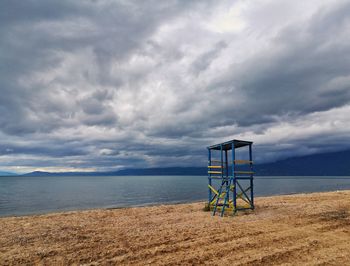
[(304, 228)]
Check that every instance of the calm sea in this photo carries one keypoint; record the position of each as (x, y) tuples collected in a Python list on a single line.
[(34, 195)]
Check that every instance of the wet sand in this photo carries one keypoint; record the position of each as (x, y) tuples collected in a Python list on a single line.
[(295, 229)]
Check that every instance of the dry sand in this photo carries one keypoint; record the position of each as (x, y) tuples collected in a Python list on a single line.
[(297, 229)]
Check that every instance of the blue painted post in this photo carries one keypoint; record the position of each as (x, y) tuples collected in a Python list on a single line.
[(226, 165), (251, 177), (209, 177), (222, 177), (234, 179), (227, 183), (227, 175), (222, 162)]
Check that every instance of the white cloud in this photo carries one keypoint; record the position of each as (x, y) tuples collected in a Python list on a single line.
[(228, 18)]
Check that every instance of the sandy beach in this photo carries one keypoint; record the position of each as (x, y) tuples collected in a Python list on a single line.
[(294, 229)]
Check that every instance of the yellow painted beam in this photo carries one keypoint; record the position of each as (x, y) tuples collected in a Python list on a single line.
[(214, 166), (222, 195), (230, 205), (213, 189), (214, 172)]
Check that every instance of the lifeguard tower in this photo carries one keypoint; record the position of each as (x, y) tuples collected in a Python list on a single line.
[(230, 179)]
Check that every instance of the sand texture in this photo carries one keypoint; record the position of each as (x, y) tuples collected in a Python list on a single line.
[(305, 229)]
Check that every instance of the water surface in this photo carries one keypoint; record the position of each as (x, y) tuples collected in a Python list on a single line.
[(31, 195)]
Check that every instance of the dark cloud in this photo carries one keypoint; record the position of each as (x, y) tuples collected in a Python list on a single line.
[(110, 84), (203, 62)]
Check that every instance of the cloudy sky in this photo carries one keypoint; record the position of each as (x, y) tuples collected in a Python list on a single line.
[(104, 85)]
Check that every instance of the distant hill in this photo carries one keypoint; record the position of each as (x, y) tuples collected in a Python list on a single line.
[(129, 172), (2, 173), (42, 173), (325, 164)]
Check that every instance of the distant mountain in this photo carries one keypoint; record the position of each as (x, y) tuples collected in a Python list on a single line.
[(42, 173), (129, 172), (325, 164), (2, 173)]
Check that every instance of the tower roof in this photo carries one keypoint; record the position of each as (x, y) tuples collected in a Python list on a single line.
[(228, 144)]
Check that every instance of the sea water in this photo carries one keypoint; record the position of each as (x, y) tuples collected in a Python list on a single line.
[(21, 195)]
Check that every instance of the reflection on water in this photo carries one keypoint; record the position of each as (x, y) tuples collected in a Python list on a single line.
[(28, 195)]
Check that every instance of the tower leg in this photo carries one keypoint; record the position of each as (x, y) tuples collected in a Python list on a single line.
[(251, 177), (209, 179), (233, 182)]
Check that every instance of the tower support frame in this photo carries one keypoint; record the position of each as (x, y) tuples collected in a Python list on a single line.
[(230, 183)]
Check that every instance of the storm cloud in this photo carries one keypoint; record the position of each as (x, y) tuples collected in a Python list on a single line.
[(104, 85)]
